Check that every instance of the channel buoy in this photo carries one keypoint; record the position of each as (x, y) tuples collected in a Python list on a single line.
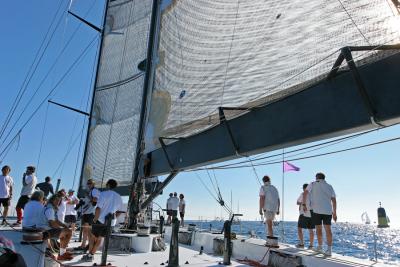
[(382, 218)]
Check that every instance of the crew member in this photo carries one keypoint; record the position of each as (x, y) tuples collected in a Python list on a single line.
[(6, 186), (28, 187), (304, 221), (269, 203)]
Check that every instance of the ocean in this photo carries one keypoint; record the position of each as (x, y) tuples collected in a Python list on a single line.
[(349, 239)]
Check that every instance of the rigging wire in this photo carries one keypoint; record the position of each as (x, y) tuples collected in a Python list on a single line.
[(354, 23), (219, 199), (316, 146), (306, 157), (70, 68), (62, 162), (91, 87), (42, 138), (45, 77), (32, 69)]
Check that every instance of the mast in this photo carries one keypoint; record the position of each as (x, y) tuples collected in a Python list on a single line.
[(106, 2), (147, 89)]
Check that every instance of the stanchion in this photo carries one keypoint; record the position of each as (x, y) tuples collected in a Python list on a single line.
[(161, 225), (108, 220), (173, 260), (227, 242)]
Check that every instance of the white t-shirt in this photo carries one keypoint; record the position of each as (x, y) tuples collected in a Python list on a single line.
[(6, 182), (169, 203), (174, 203), (321, 194), (33, 212), (182, 205), (109, 202), (49, 215), (308, 205), (70, 209), (62, 208), (88, 208), (271, 202), (29, 188)]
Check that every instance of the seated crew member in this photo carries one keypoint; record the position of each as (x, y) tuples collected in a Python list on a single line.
[(44, 218), (110, 202)]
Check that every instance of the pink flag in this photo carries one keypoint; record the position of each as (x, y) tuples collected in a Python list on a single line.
[(289, 167)]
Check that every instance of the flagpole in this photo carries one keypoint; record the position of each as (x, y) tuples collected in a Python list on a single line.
[(283, 194)]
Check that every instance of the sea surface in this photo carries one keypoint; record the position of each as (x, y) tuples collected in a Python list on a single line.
[(357, 240)]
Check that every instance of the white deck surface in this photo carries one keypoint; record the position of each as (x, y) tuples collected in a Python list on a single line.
[(242, 247), (155, 259)]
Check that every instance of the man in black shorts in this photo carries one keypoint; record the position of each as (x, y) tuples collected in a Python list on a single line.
[(109, 204), (6, 186), (88, 213), (323, 209), (304, 221)]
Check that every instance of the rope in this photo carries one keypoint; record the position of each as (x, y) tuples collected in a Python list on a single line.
[(302, 158), (42, 137), (72, 66), (27, 80)]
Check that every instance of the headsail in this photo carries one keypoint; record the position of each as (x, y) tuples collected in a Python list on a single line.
[(112, 138)]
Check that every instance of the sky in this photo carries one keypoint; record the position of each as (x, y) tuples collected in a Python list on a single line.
[(361, 178)]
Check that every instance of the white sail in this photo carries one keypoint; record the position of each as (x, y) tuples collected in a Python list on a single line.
[(365, 218), (113, 133), (246, 53)]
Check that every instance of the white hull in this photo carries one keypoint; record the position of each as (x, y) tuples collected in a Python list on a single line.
[(243, 248)]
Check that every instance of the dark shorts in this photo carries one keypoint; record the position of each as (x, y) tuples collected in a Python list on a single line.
[(87, 218), (318, 219), (182, 214), (99, 229), (305, 222), (22, 201), (5, 202), (169, 212), (70, 219), (54, 232)]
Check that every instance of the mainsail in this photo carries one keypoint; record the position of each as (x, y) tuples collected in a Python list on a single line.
[(113, 131), (219, 60)]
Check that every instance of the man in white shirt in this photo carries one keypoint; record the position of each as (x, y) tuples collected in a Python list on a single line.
[(63, 205), (6, 186), (70, 212), (323, 209), (182, 206), (88, 212), (109, 203), (269, 203), (29, 182), (44, 218), (304, 221), (169, 209), (174, 205)]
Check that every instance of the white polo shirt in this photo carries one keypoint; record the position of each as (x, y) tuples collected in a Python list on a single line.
[(182, 205), (88, 208), (29, 188), (33, 212), (321, 194), (109, 202), (6, 182), (61, 210), (70, 210), (174, 203), (308, 205), (271, 202)]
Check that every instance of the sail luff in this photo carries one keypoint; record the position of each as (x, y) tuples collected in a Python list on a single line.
[(146, 94), (93, 94)]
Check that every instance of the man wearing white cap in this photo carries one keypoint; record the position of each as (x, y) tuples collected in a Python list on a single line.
[(70, 212)]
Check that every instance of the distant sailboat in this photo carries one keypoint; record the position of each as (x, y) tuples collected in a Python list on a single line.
[(365, 218)]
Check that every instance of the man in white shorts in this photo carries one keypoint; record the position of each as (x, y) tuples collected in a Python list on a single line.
[(269, 203), (323, 209)]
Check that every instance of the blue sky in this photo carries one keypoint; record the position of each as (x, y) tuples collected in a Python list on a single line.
[(361, 178)]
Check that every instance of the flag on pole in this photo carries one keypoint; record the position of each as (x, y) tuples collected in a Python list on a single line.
[(287, 167)]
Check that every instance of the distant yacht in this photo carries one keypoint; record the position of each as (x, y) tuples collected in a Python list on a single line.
[(365, 218)]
